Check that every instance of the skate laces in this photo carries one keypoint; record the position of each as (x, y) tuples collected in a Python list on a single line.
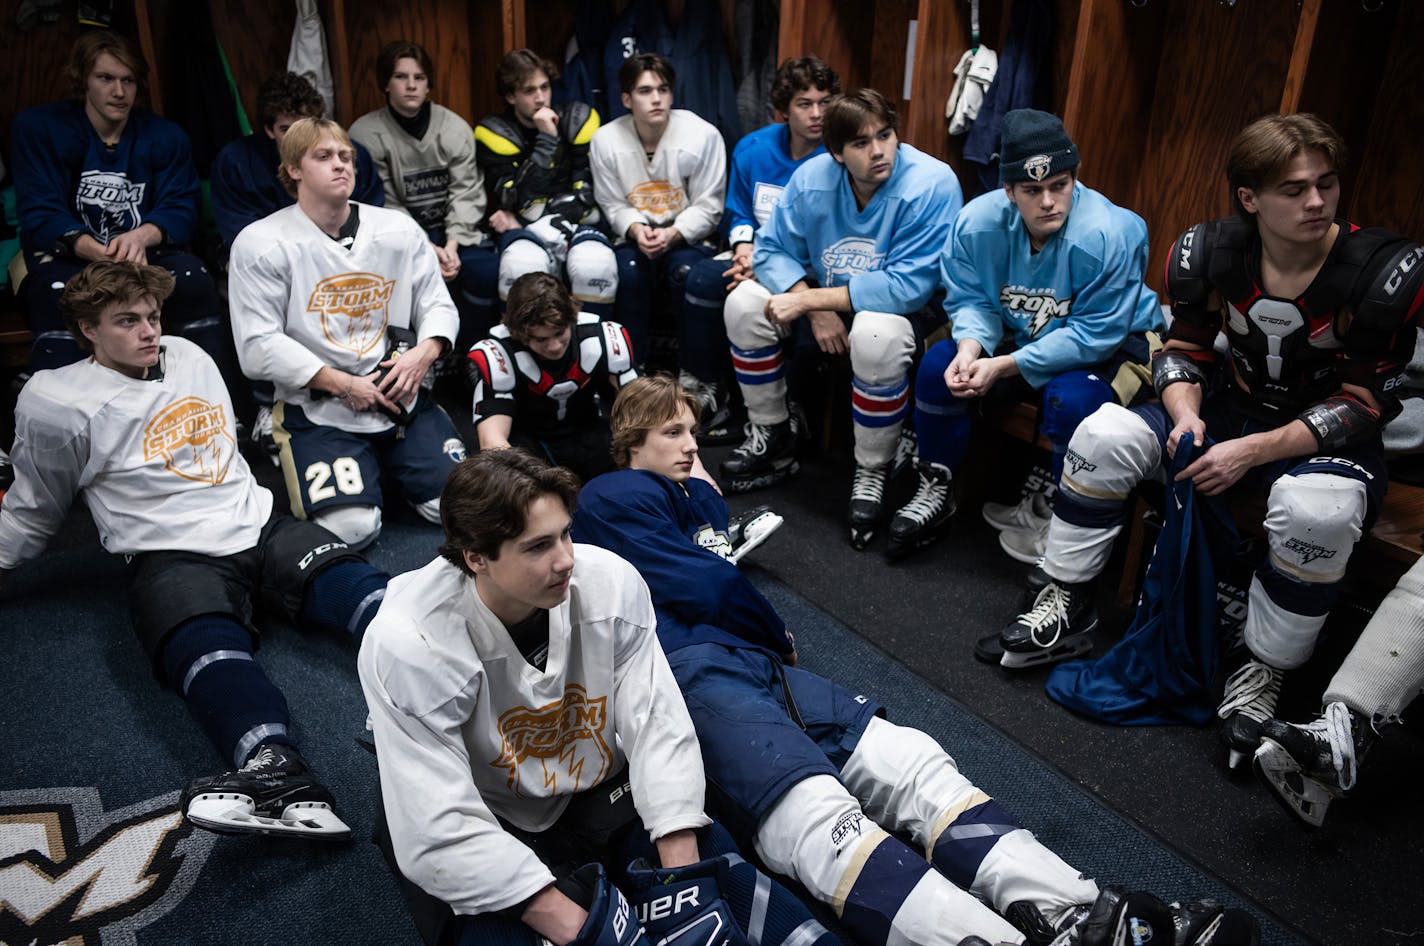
[(1251, 691), (928, 498), (1050, 609), (758, 436), (869, 484), (1337, 730)]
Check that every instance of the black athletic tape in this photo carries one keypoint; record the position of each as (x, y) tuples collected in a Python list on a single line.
[(1340, 421), (1173, 365)]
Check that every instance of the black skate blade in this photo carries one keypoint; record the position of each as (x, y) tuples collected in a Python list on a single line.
[(897, 550), (860, 539), (747, 484)]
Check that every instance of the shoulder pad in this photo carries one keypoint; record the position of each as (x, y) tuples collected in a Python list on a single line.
[(578, 121), (1388, 294), (500, 135), (495, 364), (619, 348)]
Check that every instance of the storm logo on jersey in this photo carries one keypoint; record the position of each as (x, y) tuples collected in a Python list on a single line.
[(192, 438), (354, 309), (109, 203), (658, 199), (565, 737), (852, 256), (1037, 307)]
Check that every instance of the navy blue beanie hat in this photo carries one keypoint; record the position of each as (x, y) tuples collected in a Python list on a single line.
[(1034, 147)]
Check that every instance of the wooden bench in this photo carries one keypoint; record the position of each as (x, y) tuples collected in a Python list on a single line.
[(15, 342)]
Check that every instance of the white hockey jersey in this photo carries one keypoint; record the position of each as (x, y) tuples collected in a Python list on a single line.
[(466, 729), (157, 459), (301, 301), (683, 184)]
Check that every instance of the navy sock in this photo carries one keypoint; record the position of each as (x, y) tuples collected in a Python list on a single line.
[(345, 597), (209, 661)]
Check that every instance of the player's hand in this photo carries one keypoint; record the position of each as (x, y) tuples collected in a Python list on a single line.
[(1189, 423), (784, 308), (829, 331), (956, 376), (983, 373), (546, 120), (449, 257), (402, 381), (741, 268), (1221, 466), (502, 221), (127, 248), (652, 241), (364, 395)]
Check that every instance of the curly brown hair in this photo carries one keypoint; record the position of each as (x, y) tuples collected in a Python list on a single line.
[(109, 282), (798, 75)]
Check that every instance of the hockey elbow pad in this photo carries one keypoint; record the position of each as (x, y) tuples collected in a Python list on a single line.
[(683, 906), (1172, 365), (1341, 421), (610, 918)]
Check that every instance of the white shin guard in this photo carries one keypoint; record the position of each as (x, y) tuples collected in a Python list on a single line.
[(592, 268), (519, 258), (818, 835), (1384, 671), (882, 348), (749, 331), (357, 526), (428, 510)]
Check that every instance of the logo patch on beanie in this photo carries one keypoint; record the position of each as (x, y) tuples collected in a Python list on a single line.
[(1038, 166)]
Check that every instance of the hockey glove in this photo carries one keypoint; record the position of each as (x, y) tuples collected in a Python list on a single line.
[(401, 341), (683, 906), (610, 919)]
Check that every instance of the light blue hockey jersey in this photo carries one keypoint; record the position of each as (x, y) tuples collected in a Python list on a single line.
[(1070, 305), (885, 254), (761, 166)]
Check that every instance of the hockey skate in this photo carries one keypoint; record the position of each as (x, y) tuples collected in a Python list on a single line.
[(1249, 700), (766, 457), (716, 425), (272, 794), (1031, 512), (262, 436), (907, 452), (750, 529), (1057, 627), (1309, 765), (867, 503), (926, 516)]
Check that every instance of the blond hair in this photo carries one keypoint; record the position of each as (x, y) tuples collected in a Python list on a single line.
[(643, 404), (304, 135)]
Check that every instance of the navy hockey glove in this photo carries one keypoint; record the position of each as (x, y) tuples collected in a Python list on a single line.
[(610, 919), (683, 906)]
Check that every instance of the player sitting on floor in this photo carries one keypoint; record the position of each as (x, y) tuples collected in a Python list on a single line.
[(1320, 319), (144, 429), (538, 376), (526, 723), (813, 771), (343, 307), (762, 163), (852, 246), (535, 161), (1051, 271)]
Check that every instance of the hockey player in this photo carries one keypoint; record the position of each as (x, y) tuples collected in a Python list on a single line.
[(538, 376), (245, 189), (1052, 271), (535, 162), (813, 771), (851, 246), (762, 163), (144, 429), (660, 176), (526, 722), (1320, 319), (244, 175), (426, 155), (1309, 765), (342, 306), (97, 177)]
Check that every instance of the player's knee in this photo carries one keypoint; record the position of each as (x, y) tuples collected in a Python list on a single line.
[(428, 510), (812, 831), (1313, 521), (1068, 400), (747, 327), (705, 283), (356, 525), (519, 257), (1111, 451), (882, 345), (593, 270)]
